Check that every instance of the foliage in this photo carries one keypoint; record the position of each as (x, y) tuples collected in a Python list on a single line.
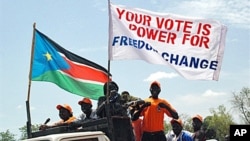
[(241, 103), (187, 124), (23, 130), (167, 127), (220, 122), (7, 136)]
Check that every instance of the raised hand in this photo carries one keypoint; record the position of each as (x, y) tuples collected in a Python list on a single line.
[(146, 104)]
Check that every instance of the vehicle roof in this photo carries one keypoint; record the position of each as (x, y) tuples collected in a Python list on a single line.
[(67, 135)]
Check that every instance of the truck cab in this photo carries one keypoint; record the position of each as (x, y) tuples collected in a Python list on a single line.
[(92, 130), (74, 136)]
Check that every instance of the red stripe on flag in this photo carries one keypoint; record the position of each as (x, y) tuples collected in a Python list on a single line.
[(85, 72)]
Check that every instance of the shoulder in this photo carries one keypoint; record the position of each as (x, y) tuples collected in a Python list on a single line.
[(148, 99), (82, 116), (170, 135), (186, 135), (161, 100), (102, 97), (133, 98), (71, 119), (188, 132), (58, 123), (93, 114)]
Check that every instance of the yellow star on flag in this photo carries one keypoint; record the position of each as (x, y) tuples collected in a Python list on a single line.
[(48, 56)]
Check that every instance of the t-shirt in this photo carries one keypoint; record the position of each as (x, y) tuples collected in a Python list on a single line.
[(83, 117), (153, 115), (71, 119), (199, 135), (137, 129), (183, 136)]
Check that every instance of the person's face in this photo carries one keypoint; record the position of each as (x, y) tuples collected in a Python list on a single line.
[(112, 88), (125, 97), (196, 124), (155, 90), (64, 114), (85, 107), (177, 128)]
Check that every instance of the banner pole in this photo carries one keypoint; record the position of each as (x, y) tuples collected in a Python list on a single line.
[(107, 105)]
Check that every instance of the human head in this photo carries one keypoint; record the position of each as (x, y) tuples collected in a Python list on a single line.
[(65, 111), (85, 101), (197, 122), (177, 126), (155, 89), (113, 87), (125, 96), (86, 104), (199, 117), (210, 133)]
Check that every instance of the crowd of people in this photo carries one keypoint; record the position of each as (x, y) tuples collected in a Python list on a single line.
[(147, 116)]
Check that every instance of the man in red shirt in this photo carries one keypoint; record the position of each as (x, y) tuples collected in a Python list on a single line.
[(153, 115)]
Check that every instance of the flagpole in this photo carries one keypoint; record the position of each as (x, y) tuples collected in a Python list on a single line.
[(107, 107), (28, 124)]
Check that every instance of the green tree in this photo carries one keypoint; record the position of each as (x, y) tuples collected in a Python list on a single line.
[(186, 120), (7, 136), (241, 103), (220, 122), (23, 130), (167, 127)]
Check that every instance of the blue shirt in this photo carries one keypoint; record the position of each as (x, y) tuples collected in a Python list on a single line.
[(182, 137)]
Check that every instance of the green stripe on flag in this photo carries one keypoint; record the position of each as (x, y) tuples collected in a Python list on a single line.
[(82, 88)]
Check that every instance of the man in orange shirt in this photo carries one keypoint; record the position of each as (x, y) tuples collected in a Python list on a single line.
[(153, 115), (66, 115)]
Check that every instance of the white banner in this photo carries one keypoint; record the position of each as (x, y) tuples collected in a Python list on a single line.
[(193, 47)]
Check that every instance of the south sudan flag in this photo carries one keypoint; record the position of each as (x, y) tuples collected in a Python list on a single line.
[(77, 75)]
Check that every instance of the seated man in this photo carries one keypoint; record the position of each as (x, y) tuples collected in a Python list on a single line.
[(199, 133), (66, 115), (87, 113), (211, 135), (86, 107), (177, 133)]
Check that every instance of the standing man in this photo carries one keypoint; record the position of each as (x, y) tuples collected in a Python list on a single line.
[(126, 97), (153, 112), (110, 89)]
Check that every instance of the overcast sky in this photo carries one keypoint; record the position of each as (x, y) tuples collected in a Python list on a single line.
[(82, 27)]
